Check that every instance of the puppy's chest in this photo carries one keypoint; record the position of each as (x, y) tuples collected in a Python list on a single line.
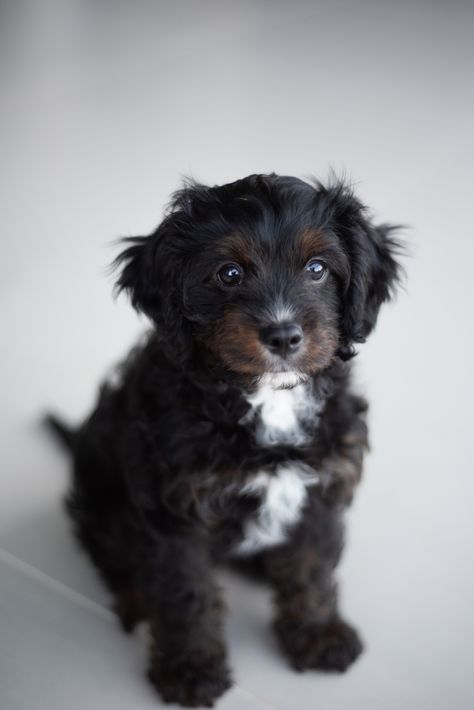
[(283, 417), (279, 417), (281, 495)]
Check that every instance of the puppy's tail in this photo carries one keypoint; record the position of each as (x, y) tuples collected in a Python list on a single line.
[(65, 434)]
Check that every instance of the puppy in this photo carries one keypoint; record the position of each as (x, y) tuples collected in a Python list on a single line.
[(233, 432)]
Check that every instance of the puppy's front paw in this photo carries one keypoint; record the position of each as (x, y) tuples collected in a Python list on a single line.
[(196, 681), (332, 646)]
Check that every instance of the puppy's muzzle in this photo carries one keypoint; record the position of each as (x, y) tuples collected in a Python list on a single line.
[(283, 339)]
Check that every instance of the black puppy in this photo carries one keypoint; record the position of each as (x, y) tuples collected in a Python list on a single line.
[(232, 432)]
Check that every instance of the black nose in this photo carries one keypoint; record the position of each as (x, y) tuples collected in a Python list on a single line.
[(283, 339)]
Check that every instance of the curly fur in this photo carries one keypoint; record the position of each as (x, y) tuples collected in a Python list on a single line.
[(192, 458)]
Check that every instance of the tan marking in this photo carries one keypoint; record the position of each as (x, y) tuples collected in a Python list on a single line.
[(237, 342), (312, 242), (234, 247)]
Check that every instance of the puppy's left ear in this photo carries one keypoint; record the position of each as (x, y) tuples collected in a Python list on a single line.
[(372, 252)]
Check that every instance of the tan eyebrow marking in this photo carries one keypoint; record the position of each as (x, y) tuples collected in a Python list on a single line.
[(234, 246), (312, 243)]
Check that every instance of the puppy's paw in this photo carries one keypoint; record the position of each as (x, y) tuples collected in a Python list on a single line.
[(196, 681), (332, 646)]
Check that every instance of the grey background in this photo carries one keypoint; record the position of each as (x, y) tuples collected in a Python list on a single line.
[(104, 105)]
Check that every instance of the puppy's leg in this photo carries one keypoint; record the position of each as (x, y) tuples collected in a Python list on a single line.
[(341, 471), (308, 624), (108, 536), (188, 656)]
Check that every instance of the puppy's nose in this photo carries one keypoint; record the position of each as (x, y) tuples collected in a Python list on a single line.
[(283, 339)]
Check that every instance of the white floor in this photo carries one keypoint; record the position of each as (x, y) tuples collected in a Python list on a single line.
[(105, 104)]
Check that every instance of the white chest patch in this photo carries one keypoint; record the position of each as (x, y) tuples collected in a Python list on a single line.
[(280, 414), (283, 498)]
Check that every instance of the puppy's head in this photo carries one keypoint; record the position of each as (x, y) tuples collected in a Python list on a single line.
[(271, 276)]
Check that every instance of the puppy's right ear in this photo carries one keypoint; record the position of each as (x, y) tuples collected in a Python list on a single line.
[(151, 267), (138, 277), (151, 273)]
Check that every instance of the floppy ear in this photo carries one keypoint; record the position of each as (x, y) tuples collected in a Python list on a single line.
[(374, 270), (151, 275), (138, 276), (374, 275)]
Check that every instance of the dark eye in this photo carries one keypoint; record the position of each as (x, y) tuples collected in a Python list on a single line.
[(317, 269), (230, 274)]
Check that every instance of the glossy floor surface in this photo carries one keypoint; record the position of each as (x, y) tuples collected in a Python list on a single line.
[(104, 106)]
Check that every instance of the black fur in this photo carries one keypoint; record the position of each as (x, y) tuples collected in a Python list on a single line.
[(160, 465)]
